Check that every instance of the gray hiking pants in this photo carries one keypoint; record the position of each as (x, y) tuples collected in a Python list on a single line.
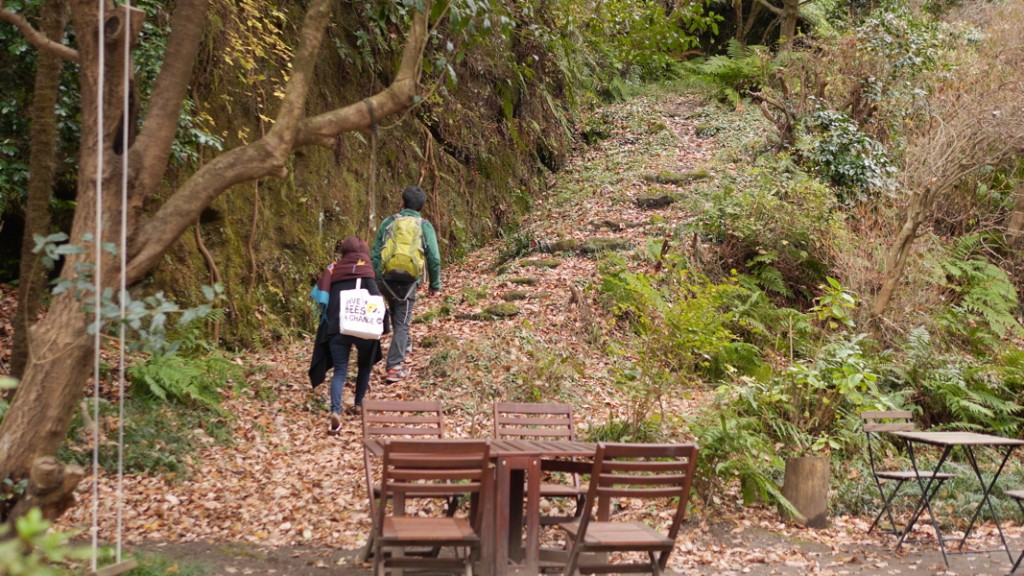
[(401, 317)]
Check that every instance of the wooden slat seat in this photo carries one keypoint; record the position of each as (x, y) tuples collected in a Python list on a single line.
[(875, 422), (429, 467), (541, 421), (645, 472), (398, 419)]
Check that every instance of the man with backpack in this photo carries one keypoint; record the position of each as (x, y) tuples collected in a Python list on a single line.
[(404, 243)]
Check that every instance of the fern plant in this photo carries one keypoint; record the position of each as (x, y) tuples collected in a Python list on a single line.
[(743, 69), (188, 381), (956, 392), (984, 295)]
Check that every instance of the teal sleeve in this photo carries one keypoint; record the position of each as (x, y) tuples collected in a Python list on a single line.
[(432, 254), (378, 245)]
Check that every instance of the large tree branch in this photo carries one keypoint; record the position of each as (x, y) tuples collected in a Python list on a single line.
[(396, 98), (35, 37), (181, 210), (293, 106), (265, 157), (151, 150), (771, 7)]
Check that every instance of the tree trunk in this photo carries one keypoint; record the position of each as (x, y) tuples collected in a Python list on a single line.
[(61, 347), (790, 14), (896, 256), (42, 165), (39, 417), (1015, 225)]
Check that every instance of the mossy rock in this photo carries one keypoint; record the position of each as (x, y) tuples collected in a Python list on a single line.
[(524, 281), (558, 246), (503, 269), (441, 311), (706, 130), (515, 295), (541, 263), (502, 310), (612, 225), (677, 178), (473, 295), (598, 245), (653, 201), (491, 313)]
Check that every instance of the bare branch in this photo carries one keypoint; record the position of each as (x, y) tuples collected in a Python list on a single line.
[(35, 37)]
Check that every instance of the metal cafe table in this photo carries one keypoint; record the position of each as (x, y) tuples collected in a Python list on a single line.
[(929, 486), (517, 482)]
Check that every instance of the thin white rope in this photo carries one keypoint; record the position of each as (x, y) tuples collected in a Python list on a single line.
[(97, 241), (125, 126)]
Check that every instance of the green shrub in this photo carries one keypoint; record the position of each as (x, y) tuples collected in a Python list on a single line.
[(832, 145), (955, 391), (187, 381), (733, 76), (773, 215), (984, 303)]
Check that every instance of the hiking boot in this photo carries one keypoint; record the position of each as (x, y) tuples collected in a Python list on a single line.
[(354, 410), (334, 425), (394, 375)]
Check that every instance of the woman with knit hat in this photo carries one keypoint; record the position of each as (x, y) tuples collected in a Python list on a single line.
[(354, 264)]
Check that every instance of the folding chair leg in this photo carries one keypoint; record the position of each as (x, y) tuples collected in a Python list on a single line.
[(886, 509), (1016, 564), (655, 564), (574, 559)]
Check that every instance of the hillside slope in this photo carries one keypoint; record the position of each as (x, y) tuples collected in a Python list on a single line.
[(284, 482)]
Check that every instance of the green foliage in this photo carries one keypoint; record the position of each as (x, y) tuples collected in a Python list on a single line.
[(833, 307), (984, 303), (678, 315), (893, 48), (957, 392), (516, 245), (772, 214), (834, 147), (616, 430), (734, 75), (643, 40), (759, 321), (735, 449), (187, 381), (34, 550)]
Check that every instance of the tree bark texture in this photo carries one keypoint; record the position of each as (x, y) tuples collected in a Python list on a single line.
[(42, 165)]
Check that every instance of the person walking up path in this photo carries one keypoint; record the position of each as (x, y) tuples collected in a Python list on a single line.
[(405, 243), (332, 347)]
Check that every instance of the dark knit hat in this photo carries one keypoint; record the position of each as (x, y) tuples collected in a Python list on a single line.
[(414, 198), (353, 244)]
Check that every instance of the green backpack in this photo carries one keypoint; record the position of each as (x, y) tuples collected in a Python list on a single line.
[(401, 255)]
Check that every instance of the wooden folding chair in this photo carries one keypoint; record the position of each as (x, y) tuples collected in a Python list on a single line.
[(631, 472), (383, 419), (430, 468), (541, 421), (877, 422)]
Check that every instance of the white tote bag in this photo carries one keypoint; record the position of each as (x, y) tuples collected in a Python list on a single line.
[(360, 313)]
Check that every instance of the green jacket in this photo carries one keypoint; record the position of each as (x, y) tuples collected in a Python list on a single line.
[(430, 251)]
